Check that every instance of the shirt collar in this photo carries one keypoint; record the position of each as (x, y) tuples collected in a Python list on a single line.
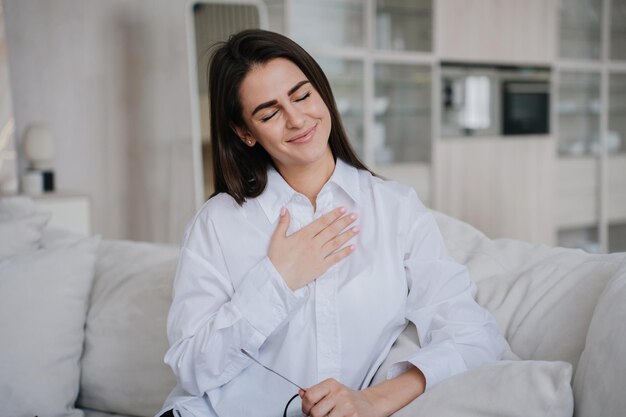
[(277, 193)]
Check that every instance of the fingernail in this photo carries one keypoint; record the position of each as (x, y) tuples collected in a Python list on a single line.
[(342, 210), (352, 247), (353, 216), (282, 211), (356, 229)]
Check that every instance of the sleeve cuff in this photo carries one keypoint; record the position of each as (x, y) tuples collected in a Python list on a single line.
[(265, 300), (437, 362)]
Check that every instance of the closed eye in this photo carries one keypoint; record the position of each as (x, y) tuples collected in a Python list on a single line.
[(266, 118), (304, 97)]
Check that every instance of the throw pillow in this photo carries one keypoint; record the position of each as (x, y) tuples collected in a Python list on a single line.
[(601, 376), (542, 297), (42, 318), (23, 234), (503, 389), (131, 296), (14, 207)]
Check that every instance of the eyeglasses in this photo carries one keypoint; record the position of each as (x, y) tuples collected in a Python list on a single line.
[(282, 376)]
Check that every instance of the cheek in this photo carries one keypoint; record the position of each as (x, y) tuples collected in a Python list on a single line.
[(320, 110), (268, 134), (326, 117)]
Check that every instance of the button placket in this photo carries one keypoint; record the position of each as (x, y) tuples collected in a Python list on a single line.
[(299, 214), (328, 340), (328, 337), (323, 203)]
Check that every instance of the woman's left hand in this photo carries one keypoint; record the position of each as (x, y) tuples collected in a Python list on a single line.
[(331, 398)]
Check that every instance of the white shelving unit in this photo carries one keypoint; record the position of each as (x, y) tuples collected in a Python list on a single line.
[(590, 109)]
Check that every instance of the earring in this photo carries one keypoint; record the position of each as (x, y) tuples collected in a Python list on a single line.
[(249, 142)]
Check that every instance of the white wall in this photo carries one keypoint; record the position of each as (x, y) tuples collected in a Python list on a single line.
[(110, 78)]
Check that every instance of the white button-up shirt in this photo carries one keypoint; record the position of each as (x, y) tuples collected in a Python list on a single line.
[(228, 296)]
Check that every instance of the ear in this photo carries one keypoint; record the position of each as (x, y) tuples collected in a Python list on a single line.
[(244, 135)]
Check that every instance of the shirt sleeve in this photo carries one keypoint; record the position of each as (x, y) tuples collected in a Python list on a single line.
[(210, 321), (455, 333)]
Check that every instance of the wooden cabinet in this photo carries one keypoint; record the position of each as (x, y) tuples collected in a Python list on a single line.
[(501, 186), (508, 31)]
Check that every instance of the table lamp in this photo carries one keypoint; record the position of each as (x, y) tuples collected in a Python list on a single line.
[(38, 146)]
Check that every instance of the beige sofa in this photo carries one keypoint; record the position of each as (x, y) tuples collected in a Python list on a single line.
[(83, 325)]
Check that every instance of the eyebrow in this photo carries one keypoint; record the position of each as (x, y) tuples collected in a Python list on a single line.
[(273, 102)]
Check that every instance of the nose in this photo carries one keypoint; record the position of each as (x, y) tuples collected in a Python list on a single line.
[(294, 117)]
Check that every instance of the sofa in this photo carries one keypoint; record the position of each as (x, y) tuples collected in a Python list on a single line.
[(83, 326)]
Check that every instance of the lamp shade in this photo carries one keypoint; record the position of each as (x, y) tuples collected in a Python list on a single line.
[(38, 146)]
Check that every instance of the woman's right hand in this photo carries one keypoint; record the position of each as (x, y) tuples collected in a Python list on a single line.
[(305, 255)]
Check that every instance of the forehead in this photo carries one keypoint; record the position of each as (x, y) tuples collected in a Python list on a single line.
[(269, 81)]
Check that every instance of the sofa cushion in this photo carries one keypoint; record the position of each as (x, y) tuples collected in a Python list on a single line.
[(21, 226), (42, 318), (125, 342), (21, 235), (601, 376), (542, 297), (503, 389), (15, 207)]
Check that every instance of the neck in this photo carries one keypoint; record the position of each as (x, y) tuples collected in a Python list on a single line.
[(309, 180)]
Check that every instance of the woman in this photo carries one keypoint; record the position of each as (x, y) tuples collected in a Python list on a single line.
[(306, 261)]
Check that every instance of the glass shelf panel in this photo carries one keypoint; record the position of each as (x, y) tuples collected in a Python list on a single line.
[(328, 22), (402, 113), (616, 141), (578, 111), (618, 29), (616, 170), (580, 29), (404, 25), (346, 81)]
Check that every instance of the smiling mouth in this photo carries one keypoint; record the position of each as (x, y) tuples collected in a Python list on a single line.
[(305, 136)]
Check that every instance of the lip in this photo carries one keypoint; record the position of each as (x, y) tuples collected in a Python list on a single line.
[(305, 137)]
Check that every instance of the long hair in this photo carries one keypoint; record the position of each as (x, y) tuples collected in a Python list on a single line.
[(239, 170)]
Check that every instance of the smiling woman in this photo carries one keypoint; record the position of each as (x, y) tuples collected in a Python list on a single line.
[(275, 270), (293, 126), (243, 85)]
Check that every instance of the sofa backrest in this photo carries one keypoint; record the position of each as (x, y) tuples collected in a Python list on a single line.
[(122, 368), (542, 297)]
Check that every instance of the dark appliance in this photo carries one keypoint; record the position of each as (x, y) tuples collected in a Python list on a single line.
[(525, 107)]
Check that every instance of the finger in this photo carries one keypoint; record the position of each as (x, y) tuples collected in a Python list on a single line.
[(324, 221), (337, 226), (283, 223), (338, 241), (324, 407), (314, 394), (337, 256)]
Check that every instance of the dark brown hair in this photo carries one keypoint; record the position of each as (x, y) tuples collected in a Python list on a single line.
[(239, 170)]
